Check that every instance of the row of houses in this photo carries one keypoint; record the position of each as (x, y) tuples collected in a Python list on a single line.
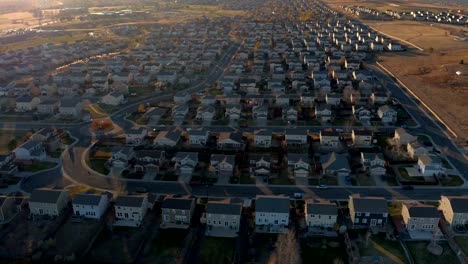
[(271, 213)]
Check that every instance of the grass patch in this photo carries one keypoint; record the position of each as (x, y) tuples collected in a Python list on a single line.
[(446, 164), (422, 256), (98, 165), (380, 246), (39, 166), (281, 181), (322, 250), (246, 179), (423, 138), (217, 250), (451, 180), (166, 122), (168, 243), (37, 41), (55, 154), (462, 243), (364, 180)]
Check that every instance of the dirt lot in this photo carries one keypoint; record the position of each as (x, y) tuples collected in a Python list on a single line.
[(6, 20), (431, 73)]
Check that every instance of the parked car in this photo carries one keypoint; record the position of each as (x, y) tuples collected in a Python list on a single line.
[(298, 195), (322, 186), (408, 187)]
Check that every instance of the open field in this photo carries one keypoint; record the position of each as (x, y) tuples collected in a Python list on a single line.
[(6, 20), (431, 74), (37, 41), (422, 256), (209, 11), (397, 5)]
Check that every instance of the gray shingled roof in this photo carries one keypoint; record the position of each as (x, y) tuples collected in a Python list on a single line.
[(87, 199), (223, 208), (335, 161), (322, 209), (273, 204), (45, 196), (129, 201), (177, 203), (425, 211), (370, 204), (459, 204)]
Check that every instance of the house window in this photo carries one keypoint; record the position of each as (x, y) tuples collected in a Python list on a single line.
[(166, 218), (364, 221), (379, 221), (209, 221), (358, 214), (367, 214), (329, 217), (260, 220), (356, 220)]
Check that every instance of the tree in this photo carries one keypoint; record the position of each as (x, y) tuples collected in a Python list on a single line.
[(12, 144), (287, 249)]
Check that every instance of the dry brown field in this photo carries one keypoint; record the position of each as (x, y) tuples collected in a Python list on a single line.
[(431, 73), (397, 5), (6, 20)]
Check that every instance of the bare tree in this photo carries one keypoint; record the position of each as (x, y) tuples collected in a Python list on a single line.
[(287, 249)]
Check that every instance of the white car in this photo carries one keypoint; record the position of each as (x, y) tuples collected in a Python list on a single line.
[(322, 186)]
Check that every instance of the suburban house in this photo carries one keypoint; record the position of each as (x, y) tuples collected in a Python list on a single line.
[(271, 214), (416, 149), (233, 112), (136, 136), (205, 113), (186, 162), (180, 111), (329, 138), (7, 208), (290, 114), (454, 209), (402, 137), (323, 113), (167, 138), (262, 138), (27, 103), (130, 210), (222, 165), (296, 138), (30, 150), (367, 211), (113, 98), (90, 205), (260, 165), (230, 141), (223, 218), (70, 107), (148, 160), (48, 202), (177, 212), (7, 163), (320, 214), (430, 165), (362, 137), (299, 165), (198, 137), (334, 164), (420, 217), (121, 156), (48, 106), (374, 163), (387, 114)]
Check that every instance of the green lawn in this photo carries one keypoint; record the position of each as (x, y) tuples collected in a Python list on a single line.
[(323, 250), (39, 166), (98, 165), (217, 250), (462, 243), (446, 164), (423, 138), (168, 243), (451, 180), (364, 180), (55, 154), (281, 181), (246, 179), (422, 256), (380, 246)]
